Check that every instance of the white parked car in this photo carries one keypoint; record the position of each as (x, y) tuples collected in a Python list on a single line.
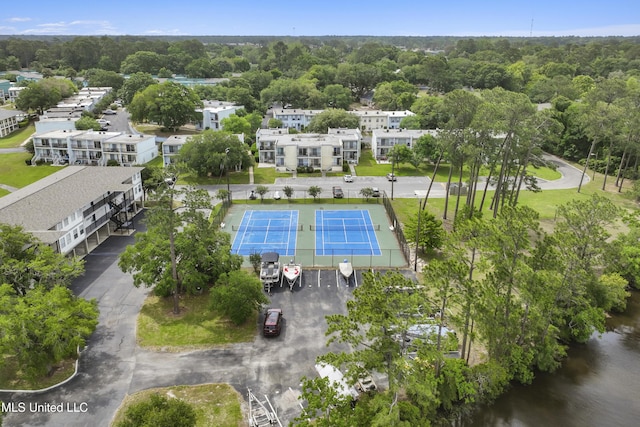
[(348, 178), (276, 195), (103, 122)]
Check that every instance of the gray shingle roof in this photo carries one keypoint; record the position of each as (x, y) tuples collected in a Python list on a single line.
[(5, 114), (40, 206)]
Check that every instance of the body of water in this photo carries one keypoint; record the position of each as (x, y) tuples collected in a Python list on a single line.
[(597, 385)]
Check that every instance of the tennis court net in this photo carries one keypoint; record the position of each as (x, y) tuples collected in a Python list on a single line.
[(345, 227), (267, 228)]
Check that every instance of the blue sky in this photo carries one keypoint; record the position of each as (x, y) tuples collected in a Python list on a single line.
[(328, 17)]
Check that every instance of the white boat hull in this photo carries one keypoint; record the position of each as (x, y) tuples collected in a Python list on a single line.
[(346, 269)]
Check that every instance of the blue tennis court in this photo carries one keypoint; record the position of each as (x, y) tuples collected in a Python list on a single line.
[(266, 231), (345, 232)]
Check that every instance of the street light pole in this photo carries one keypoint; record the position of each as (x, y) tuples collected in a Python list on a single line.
[(393, 170), (415, 264), (226, 161)]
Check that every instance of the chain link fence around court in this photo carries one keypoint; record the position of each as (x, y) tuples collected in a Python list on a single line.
[(302, 196), (393, 251), (397, 229), (309, 258)]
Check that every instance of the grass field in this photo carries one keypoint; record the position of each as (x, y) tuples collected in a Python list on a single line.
[(15, 172), (546, 203), (367, 166), (12, 378), (17, 138), (196, 327), (214, 404)]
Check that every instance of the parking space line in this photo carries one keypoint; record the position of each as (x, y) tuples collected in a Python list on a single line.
[(318, 278)]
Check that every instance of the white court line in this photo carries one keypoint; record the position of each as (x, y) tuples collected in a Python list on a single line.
[(367, 230), (244, 232)]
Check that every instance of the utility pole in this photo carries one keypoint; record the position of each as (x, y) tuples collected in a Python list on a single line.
[(415, 264)]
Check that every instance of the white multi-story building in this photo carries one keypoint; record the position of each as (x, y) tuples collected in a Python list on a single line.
[(172, 145), (369, 119), (350, 139), (65, 114), (77, 207), (8, 121), (214, 111), (295, 118), (382, 140), (96, 148), (320, 151), (378, 119)]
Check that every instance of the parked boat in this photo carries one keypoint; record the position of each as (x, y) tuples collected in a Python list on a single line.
[(292, 272)]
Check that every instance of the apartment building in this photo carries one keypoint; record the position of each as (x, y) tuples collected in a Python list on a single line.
[(93, 148), (214, 112), (77, 207), (295, 118), (65, 114), (320, 151), (369, 119), (9, 121), (382, 140), (378, 119)]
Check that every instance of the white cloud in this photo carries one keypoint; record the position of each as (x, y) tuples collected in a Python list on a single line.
[(173, 32), (88, 27), (18, 19)]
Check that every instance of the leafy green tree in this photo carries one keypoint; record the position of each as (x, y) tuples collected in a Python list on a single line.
[(314, 191), (238, 295), (158, 410), (506, 243), (136, 82), (378, 318), (297, 93), (275, 123), (44, 326), (236, 124), (255, 259), (262, 190), (360, 78), (180, 252), (333, 118), (152, 178), (86, 123), (326, 406), (431, 233), (206, 153), (102, 78), (169, 104), (337, 96), (25, 263), (396, 95), (44, 94), (288, 191), (142, 62), (366, 192)]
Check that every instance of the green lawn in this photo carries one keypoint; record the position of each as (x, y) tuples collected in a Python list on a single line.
[(546, 203), (18, 137), (195, 327), (215, 404), (12, 378), (15, 172)]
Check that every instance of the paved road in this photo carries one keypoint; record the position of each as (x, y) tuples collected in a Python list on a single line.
[(404, 187)]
